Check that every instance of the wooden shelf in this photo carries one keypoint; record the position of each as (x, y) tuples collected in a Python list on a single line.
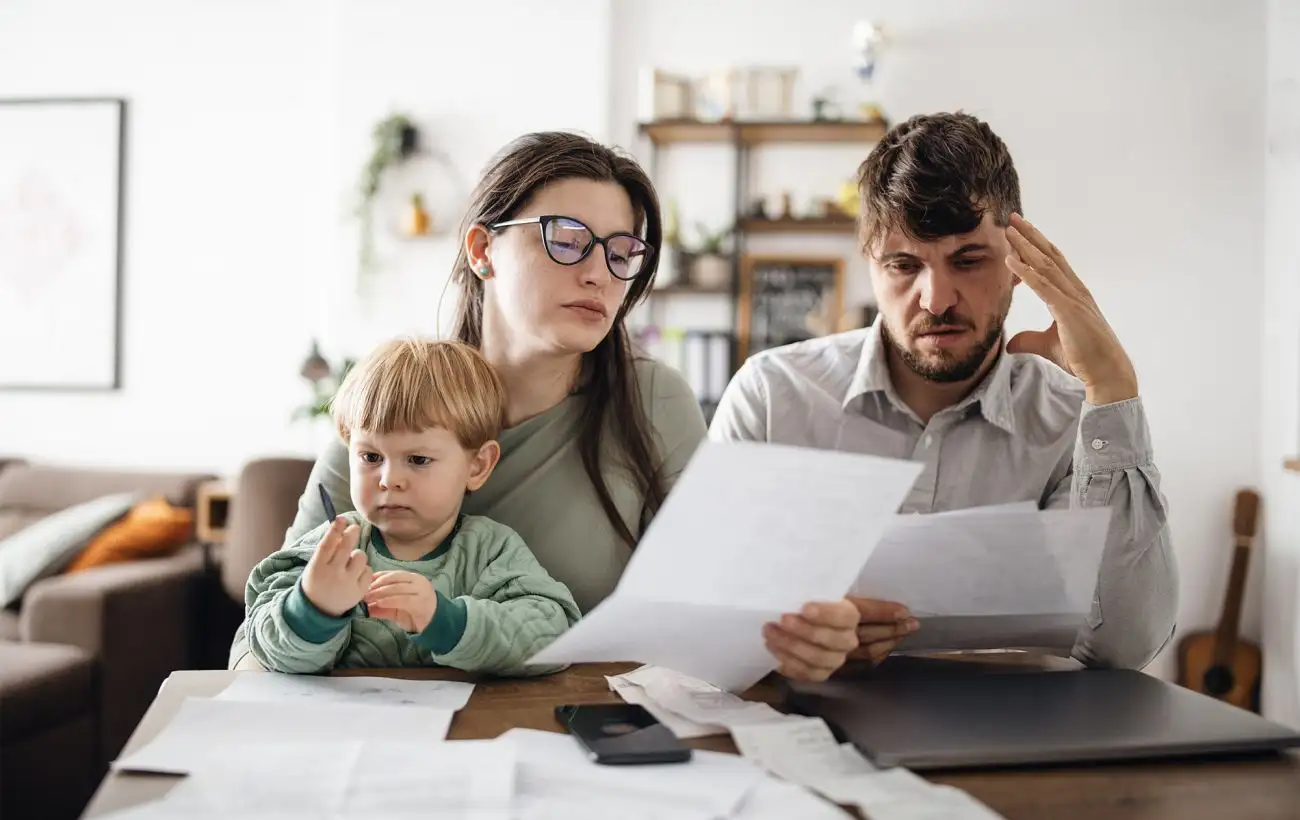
[(665, 132), (831, 224)]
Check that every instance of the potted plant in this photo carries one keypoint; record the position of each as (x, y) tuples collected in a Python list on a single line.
[(394, 139), (324, 379), (711, 267)]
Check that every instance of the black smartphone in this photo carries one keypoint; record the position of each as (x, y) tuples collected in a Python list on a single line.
[(330, 514), (624, 734)]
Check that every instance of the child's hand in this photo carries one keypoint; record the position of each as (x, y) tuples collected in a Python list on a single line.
[(405, 598), (337, 576)]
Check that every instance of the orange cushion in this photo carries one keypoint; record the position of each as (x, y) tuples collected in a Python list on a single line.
[(152, 529)]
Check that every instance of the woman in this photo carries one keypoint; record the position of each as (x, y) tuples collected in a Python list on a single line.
[(560, 242)]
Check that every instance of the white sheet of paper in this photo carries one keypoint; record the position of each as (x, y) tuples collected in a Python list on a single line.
[(208, 731), (799, 749), (763, 529), (766, 526), (986, 562), (1054, 634), (556, 776), (774, 799), (720, 644), (392, 779), (869, 791), (678, 725), (282, 688)]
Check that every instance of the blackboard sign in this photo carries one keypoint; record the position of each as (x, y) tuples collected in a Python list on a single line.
[(787, 299)]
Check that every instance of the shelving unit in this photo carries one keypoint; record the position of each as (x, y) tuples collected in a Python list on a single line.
[(743, 137)]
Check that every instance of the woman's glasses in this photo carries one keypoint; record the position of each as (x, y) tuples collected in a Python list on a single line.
[(568, 241)]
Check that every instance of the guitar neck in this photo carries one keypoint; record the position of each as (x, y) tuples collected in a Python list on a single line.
[(1225, 636)]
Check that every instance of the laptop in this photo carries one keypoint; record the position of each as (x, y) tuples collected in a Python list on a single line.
[(927, 722)]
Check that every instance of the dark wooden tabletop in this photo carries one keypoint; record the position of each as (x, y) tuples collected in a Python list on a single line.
[(1245, 789)]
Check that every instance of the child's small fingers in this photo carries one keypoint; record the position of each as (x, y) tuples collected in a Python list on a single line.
[(392, 599)]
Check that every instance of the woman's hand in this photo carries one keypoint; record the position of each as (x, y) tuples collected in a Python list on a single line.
[(405, 598), (813, 644), (881, 626), (337, 574)]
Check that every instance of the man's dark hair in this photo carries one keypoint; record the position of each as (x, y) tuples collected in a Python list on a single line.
[(936, 175)]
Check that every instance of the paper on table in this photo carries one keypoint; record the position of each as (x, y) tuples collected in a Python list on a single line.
[(774, 799), (556, 779), (1040, 565), (800, 750), (764, 529), (207, 731), (391, 779), (678, 725), (282, 688)]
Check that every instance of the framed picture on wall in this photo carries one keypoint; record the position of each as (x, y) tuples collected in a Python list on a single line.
[(786, 299), (62, 166)]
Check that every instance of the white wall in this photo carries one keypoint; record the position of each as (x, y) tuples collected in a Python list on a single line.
[(1280, 356), (1136, 129), (249, 124)]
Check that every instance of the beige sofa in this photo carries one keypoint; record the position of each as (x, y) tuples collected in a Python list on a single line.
[(82, 655)]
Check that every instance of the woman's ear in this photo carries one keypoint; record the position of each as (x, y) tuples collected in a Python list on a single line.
[(477, 240), (481, 465)]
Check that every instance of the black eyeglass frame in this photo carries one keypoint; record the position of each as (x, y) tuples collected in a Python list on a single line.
[(545, 219)]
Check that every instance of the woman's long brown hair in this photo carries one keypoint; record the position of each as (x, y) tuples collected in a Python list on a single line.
[(611, 393)]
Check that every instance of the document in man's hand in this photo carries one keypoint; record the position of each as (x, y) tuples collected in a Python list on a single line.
[(990, 578), (750, 531)]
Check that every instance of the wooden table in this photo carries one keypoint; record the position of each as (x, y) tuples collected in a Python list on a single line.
[(1267, 788)]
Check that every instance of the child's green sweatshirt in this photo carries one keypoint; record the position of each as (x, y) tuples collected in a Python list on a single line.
[(496, 607)]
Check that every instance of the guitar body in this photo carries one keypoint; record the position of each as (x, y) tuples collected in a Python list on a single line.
[(1236, 682), (1220, 663)]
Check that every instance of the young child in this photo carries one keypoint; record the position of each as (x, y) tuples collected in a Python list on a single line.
[(408, 580)]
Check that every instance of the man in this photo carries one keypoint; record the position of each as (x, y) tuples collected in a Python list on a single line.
[(1053, 416)]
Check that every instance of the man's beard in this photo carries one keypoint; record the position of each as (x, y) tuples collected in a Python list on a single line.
[(943, 366)]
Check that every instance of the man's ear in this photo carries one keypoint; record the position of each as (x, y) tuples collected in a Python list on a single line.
[(481, 465)]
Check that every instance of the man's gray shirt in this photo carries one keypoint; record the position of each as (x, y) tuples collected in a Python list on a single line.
[(1025, 433)]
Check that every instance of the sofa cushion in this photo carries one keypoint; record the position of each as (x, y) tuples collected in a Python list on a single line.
[(152, 529), (11, 521), (47, 546), (42, 685), (9, 625), (40, 488)]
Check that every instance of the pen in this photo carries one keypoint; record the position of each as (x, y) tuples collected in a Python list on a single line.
[(330, 514)]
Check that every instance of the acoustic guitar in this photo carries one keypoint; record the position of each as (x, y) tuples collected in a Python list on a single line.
[(1220, 663)]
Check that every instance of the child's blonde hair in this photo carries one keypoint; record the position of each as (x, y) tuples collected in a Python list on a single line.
[(408, 385)]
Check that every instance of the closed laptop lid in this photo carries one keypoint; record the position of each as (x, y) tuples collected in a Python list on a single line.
[(962, 721)]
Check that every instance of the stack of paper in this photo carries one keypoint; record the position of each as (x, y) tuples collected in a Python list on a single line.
[(1008, 576), (687, 706), (802, 751), (750, 532), (261, 708)]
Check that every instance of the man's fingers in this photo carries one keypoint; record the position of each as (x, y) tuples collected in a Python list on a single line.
[(788, 646), (875, 652), (840, 614), (356, 560), (870, 633), (1046, 289), (1031, 256), (872, 611), (795, 669), (840, 640), (1043, 244)]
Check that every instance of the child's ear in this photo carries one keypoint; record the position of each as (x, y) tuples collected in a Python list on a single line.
[(481, 465)]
